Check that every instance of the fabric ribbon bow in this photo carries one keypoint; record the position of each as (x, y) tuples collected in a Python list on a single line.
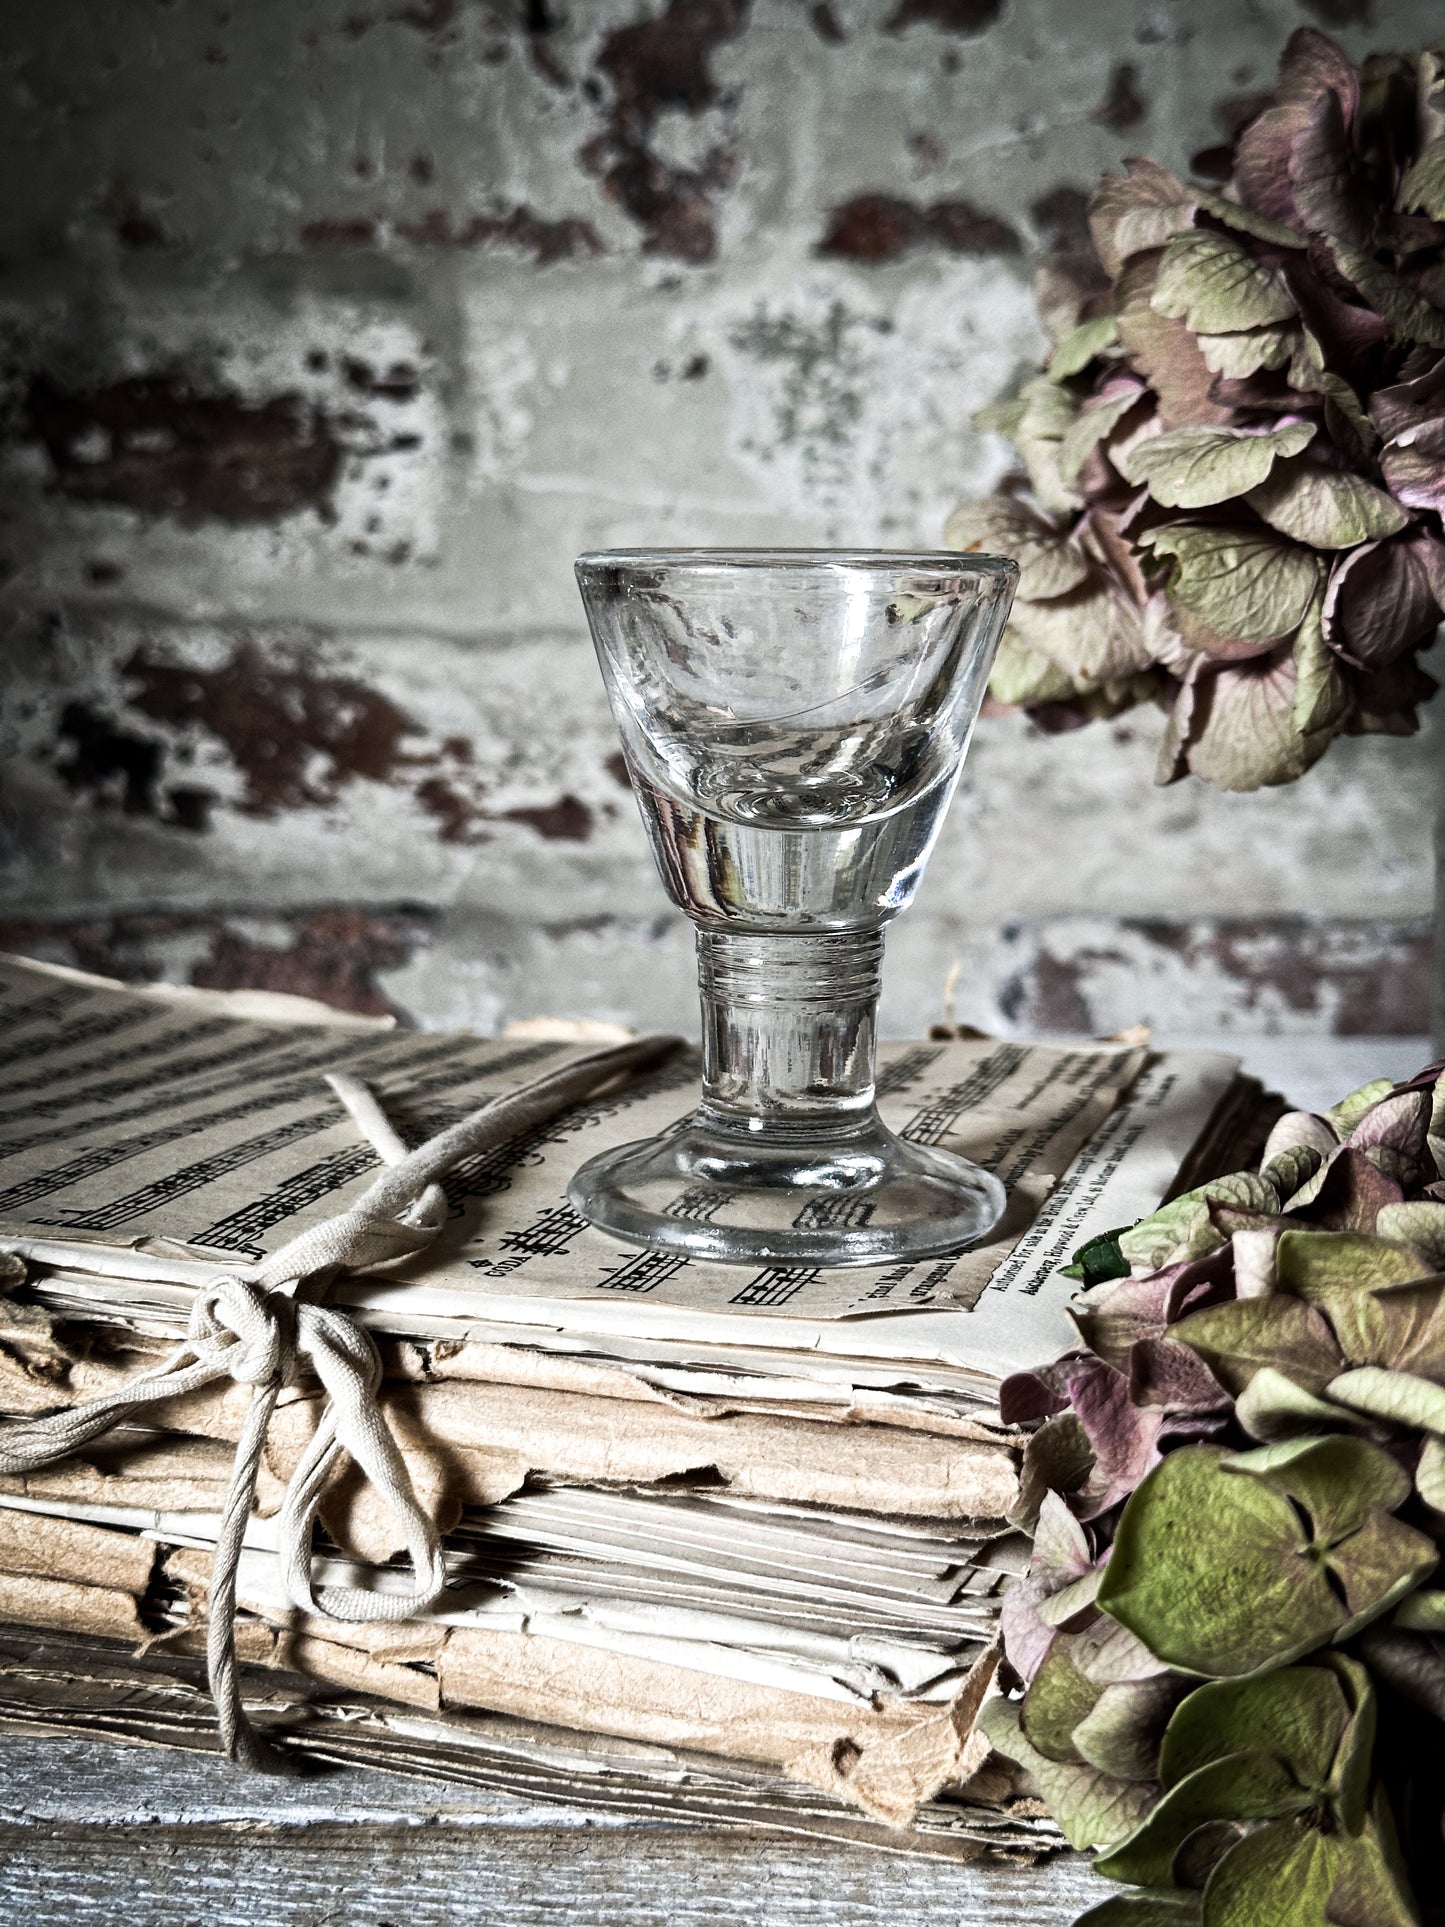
[(250, 1327)]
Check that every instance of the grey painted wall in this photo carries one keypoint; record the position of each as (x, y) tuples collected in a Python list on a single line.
[(331, 332)]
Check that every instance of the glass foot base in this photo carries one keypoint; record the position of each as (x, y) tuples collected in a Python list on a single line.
[(864, 1197)]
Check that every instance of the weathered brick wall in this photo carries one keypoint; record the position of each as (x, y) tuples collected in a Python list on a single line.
[(330, 333)]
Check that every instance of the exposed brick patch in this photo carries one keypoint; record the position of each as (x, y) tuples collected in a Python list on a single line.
[(1343, 976), (344, 233), (429, 17), (135, 226), (455, 814), (1123, 106), (331, 952), (334, 954), (674, 206), (1341, 13), (566, 239), (108, 761), (568, 820), (1049, 995), (297, 738), (433, 18), (229, 419), (1062, 219), (399, 383), (1379, 976), (154, 444), (872, 228), (122, 770), (643, 69), (652, 66), (963, 17), (539, 22), (546, 241), (461, 816), (666, 61)]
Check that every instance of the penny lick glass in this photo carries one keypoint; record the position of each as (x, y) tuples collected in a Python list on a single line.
[(794, 723)]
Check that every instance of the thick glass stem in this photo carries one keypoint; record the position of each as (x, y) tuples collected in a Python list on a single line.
[(788, 1029)]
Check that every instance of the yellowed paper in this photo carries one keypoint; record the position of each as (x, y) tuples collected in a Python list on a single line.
[(62, 1605), (476, 1441), (563, 1684), (894, 1776), (470, 1428), (48, 1548), (163, 1474)]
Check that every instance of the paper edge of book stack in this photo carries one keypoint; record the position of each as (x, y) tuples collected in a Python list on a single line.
[(849, 1476)]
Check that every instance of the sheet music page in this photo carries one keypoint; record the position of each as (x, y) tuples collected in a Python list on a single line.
[(129, 1119)]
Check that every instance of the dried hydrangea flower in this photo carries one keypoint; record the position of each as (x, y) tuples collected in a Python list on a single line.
[(1237, 1495), (1234, 462)]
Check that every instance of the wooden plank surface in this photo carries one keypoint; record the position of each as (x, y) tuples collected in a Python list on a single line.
[(91, 1832)]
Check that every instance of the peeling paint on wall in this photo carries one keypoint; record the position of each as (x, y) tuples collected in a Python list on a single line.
[(964, 17), (156, 445), (312, 389), (198, 747), (837, 397), (1123, 106), (656, 66), (334, 953), (543, 239), (1287, 975), (1081, 976), (882, 227), (275, 430)]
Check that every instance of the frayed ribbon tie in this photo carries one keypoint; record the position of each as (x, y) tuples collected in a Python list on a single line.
[(251, 1328)]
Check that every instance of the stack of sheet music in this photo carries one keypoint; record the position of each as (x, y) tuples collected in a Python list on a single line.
[(721, 1543)]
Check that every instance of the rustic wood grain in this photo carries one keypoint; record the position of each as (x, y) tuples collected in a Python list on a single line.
[(92, 1833)]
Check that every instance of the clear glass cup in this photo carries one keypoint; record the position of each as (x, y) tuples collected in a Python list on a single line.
[(794, 722)]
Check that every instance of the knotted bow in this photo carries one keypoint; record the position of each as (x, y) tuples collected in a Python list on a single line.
[(251, 1328)]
